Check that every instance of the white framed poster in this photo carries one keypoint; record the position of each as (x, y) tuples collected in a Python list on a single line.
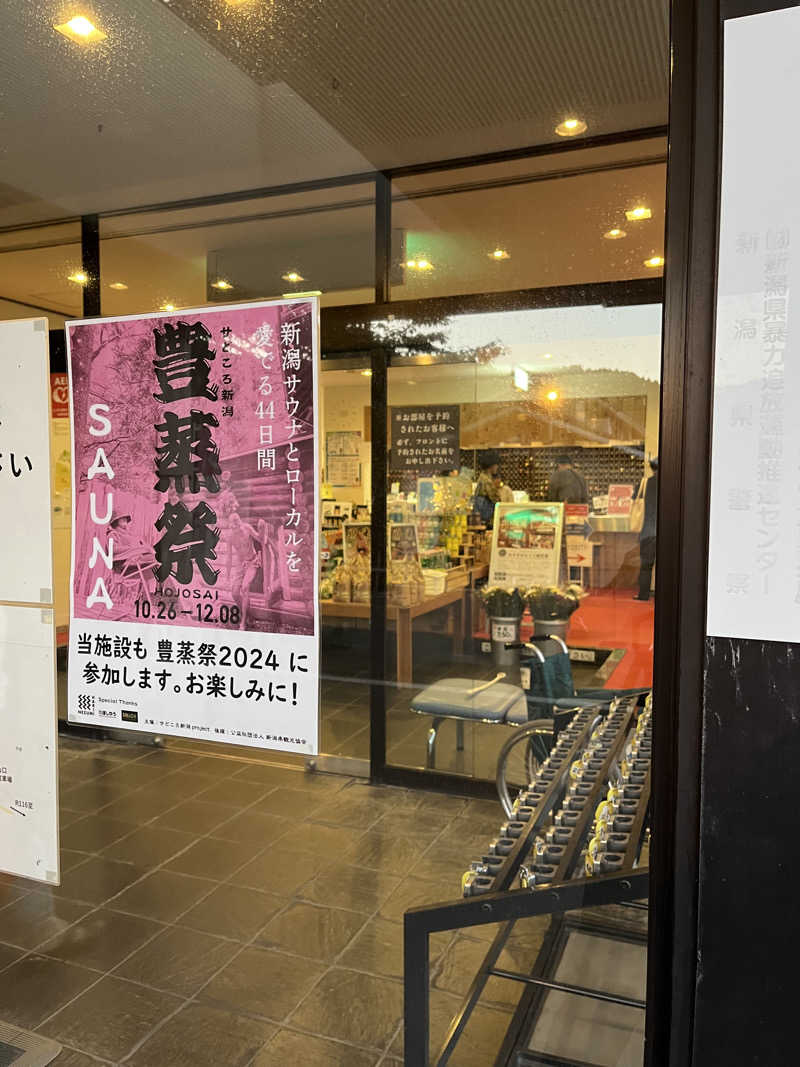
[(28, 726), (194, 592), (754, 541), (526, 545)]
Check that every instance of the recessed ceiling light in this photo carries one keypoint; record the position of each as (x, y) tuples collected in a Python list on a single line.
[(167, 307), (80, 277), (637, 213), (117, 285), (552, 395), (654, 261), (366, 373), (81, 29), (614, 235), (422, 263), (547, 355), (293, 277), (499, 253), (571, 127), (411, 381), (221, 283)]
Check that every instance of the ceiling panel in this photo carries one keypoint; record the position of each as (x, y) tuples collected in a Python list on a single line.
[(190, 97)]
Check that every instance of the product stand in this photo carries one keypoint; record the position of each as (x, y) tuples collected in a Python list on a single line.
[(563, 891)]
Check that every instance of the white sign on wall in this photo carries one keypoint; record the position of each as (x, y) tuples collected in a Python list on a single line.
[(28, 735), (754, 550)]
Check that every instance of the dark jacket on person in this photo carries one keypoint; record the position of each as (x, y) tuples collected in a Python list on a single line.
[(568, 486), (650, 507)]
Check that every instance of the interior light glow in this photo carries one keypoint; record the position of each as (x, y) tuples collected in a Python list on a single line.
[(636, 214), (499, 253), (167, 307), (654, 262), (80, 277), (571, 127), (366, 373), (80, 29), (552, 395), (292, 276), (615, 234), (117, 285), (221, 283)]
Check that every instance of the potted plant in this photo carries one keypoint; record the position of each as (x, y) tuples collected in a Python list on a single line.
[(504, 608), (551, 608)]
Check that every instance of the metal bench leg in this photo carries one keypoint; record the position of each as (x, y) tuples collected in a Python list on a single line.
[(432, 733), (459, 735)]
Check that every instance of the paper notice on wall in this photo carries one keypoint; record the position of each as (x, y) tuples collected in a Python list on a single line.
[(28, 737), (194, 581), (754, 546)]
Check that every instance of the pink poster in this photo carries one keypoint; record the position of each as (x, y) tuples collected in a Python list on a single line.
[(194, 597)]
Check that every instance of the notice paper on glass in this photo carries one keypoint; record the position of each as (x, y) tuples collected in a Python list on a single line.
[(195, 501), (526, 545), (754, 547)]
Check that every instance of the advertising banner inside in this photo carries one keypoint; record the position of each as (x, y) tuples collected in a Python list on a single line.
[(195, 500)]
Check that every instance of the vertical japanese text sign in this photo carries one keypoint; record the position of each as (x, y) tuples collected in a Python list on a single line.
[(194, 596), (28, 740)]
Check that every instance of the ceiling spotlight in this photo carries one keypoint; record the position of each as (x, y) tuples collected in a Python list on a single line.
[(552, 395), (499, 253), (117, 285), (80, 277), (167, 307), (366, 373), (221, 283), (419, 264), (654, 262), (614, 235), (547, 355), (81, 29), (637, 213), (293, 277), (571, 127)]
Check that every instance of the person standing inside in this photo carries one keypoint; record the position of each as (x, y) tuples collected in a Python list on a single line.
[(567, 485), (647, 536), (487, 493)]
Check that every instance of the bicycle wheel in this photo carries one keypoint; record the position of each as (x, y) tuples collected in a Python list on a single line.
[(520, 758)]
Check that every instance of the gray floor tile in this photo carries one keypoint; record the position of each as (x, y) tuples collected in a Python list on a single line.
[(263, 982), (195, 817), (288, 1047), (36, 918), (35, 987), (97, 880), (214, 858), (352, 1007), (178, 960), (346, 886), (163, 895), (101, 939), (204, 1036), (111, 1018), (311, 930), (150, 846), (233, 911), (281, 870), (93, 833)]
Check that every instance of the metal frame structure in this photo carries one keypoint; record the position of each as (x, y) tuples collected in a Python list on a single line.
[(564, 893)]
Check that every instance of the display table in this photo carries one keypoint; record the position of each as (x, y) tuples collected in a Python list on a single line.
[(403, 619)]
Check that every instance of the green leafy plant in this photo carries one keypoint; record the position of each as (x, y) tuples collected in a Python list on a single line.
[(503, 603)]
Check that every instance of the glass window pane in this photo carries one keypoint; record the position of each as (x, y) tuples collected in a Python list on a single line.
[(40, 273), (321, 242), (531, 224)]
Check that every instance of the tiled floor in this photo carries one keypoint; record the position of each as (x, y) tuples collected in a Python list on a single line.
[(221, 911)]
